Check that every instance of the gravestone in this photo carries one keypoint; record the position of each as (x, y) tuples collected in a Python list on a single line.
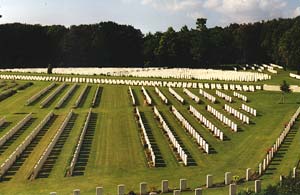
[(257, 186), (76, 192), (176, 192), (209, 181), (183, 184), (232, 189), (99, 190), (198, 191), (228, 178), (248, 174), (121, 189), (143, 188)]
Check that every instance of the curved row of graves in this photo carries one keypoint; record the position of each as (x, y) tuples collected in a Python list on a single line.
[(180, 151), (79, 144), (47, 151), (18, 151), (40, 94)]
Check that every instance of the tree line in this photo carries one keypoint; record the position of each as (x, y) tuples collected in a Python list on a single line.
[(108, 44)]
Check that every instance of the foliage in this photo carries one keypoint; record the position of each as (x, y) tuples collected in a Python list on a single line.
[(285, 87)]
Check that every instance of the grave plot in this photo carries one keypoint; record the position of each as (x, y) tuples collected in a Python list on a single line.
[(66, 98), (38, 96), (152, 151), (7, 139), (18, 157), (83, 153), (97, 97), (82, 97), (132, 96), (176, 95), (161, 95), (47, 160), (206, 123), (51, 98), (188, 127), (176, 144), (148, 99)]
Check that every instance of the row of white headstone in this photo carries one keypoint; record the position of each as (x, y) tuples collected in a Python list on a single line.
[(191, 95), (131, 95), (37, 167), (2, 121), (270, 68), (273, 150), (79, 143), (131, 82), (232, 125), (190, 129), (39, 94), (95, 96), (248, 109), (224, 96), (15, 129), (161, 95), (146, 137), (19, 150), (147, 96), (203, 120), (52, 95), (295, 76), (237, 114), (80, 97), (207, 96), (66, 96), (240, 96), (182, 154), (176, 95)]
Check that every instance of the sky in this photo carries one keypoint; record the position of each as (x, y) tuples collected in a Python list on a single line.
[(147, 15)]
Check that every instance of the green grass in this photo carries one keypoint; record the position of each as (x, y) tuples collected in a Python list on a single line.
[(117, 155)]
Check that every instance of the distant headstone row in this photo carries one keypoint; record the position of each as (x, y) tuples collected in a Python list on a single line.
[(153, 83), (52, 95), (249, 109), (19, 150), (131, 95), (182, 154), (202, 119), (224, 96), (191, 95), (237, 114), (232, 125), (273, 150), (188, 127), (39, 94), (97, 93), (161, 95), (66, 96), (240, 96), (176, 95), (79, 144), (270, 68), (147, 97), (15, 129), (207, 96), (37, 167), (80, 97), (145, 136)]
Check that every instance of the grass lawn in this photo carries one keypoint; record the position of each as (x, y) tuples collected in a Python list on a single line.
[(117, 156)]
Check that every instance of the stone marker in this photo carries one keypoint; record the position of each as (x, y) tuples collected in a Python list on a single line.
[(294, 172), (228, 178), (143, 188), (164, 186), (76, 192), (198, 191), (209, 181), (232, 189), (152, 193), (248, 174), (99, 190), (52, 193), (260, 168), (257, 186), (176, 192), (121, 189), (183, 184)]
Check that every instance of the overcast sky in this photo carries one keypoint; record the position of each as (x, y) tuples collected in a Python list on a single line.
[(147, 15)]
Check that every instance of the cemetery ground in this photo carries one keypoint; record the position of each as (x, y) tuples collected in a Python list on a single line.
[(115, 154)]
